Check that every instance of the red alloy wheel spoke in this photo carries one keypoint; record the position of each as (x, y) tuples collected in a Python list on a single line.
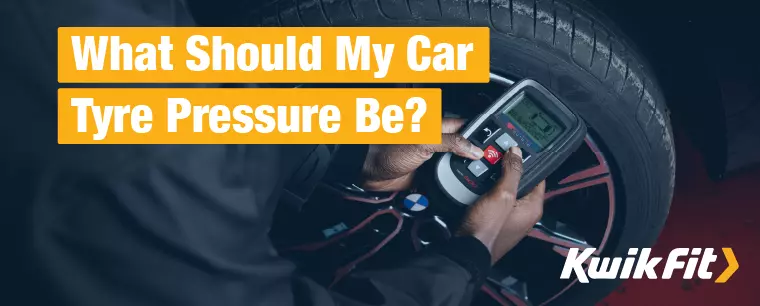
[(493, 293), (583, 179), (596, 175)]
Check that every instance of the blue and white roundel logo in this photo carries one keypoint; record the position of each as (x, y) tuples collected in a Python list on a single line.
[(416, 202)]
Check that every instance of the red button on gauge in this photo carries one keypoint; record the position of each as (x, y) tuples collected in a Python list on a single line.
[(492, 155)]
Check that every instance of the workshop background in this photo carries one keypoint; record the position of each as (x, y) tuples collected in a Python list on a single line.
[(704, 213)]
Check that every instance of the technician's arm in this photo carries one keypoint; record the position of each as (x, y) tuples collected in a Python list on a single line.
[(158, 225)]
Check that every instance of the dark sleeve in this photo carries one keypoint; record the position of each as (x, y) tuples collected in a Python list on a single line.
[(448, 276), (347, 162)]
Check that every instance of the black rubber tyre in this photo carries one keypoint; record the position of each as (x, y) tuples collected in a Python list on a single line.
[(579, 54)]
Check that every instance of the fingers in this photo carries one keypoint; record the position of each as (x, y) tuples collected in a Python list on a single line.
[(456, 144), (453, 142), (452, 125), (511, 173), (512, 167)]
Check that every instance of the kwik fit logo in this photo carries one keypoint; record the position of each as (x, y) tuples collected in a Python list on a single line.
[(693, 261)]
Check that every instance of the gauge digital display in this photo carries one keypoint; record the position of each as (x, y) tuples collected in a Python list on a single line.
[(529, 117)]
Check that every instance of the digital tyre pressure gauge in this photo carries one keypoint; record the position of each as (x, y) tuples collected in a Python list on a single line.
[(527, 116)]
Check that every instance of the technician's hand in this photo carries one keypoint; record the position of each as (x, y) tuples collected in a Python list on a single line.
[(391, 167), (498, 219)]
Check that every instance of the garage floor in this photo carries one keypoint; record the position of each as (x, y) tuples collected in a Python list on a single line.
[(705, 213)]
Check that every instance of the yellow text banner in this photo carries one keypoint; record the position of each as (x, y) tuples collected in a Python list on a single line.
[(249, 116), (273, 55)]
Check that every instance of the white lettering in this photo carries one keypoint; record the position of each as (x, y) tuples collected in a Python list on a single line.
[(597, 270), (645, 264), (97, 58), (574, 263), (366, 109)]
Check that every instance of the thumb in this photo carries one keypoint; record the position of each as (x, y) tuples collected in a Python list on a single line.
[(456, 144)]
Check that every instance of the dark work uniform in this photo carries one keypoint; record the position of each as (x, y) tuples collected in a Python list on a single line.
[(156, 225)]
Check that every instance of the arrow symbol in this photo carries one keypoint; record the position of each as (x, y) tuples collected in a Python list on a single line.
[(733, 265)]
